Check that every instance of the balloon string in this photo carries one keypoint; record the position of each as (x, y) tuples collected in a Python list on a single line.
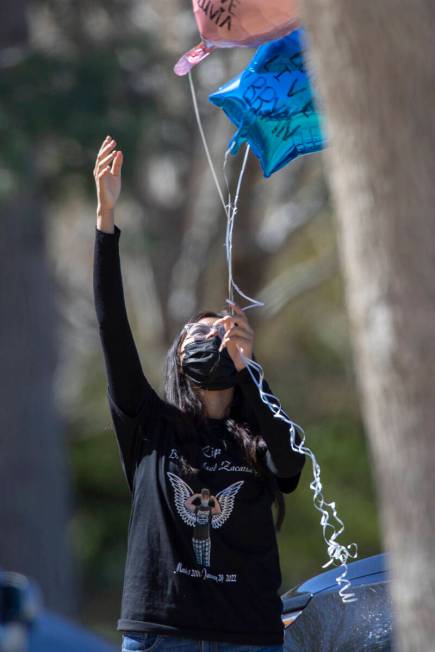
[(229, 206), (204, 142), (232, 211), (336, 551)]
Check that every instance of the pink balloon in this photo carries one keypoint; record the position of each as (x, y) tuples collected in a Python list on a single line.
[(237, 23)]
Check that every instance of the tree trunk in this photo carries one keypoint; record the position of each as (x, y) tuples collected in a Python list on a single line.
[(374, 68), (34, 478)]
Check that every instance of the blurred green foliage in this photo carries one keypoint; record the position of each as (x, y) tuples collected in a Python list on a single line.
[(60, 108)]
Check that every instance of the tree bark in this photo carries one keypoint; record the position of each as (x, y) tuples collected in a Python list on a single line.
[(374, 68), (34, 476)]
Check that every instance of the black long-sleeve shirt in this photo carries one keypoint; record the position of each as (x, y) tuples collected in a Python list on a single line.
[(168, 588)]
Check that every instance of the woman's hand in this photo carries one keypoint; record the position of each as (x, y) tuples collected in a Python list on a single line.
[(239, 336), (107, 174)]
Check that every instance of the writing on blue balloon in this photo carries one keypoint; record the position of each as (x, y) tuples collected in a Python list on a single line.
[(273, 106)]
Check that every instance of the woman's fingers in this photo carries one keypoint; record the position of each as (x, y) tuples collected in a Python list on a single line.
[(230, 321), (105, 141), (232, 326), (107, 173), (100, 163), (238, 330), (115, 169), (106, 147), (237, 308), (225, 321), (240, 316), (236, 340), (105, 161), (239, 312), (102, 154), (117, 164), (104, 172)]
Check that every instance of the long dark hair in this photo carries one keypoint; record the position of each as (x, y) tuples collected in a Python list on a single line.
[(190, 423)]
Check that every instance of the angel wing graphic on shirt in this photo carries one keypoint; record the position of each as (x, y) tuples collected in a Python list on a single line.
[(225, 498)]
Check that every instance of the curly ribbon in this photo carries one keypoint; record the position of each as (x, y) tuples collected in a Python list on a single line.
[(338, 554), (336, 551)]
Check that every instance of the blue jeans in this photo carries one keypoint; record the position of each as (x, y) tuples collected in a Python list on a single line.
[(148, 642)]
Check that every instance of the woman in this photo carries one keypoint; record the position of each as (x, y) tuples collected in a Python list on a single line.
[(204, 467)]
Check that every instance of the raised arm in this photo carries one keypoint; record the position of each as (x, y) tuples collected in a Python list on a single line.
[(127, 385)]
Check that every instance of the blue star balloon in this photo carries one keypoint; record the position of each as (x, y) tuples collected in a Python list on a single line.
[(272, 104)]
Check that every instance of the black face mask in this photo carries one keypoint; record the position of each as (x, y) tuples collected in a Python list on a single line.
[(207, 366)]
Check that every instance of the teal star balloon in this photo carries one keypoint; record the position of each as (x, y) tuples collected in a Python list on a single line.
[(272, 104)]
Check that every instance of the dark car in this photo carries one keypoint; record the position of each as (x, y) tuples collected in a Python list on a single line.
[(317, 620), (26, 627), (314, 615)]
